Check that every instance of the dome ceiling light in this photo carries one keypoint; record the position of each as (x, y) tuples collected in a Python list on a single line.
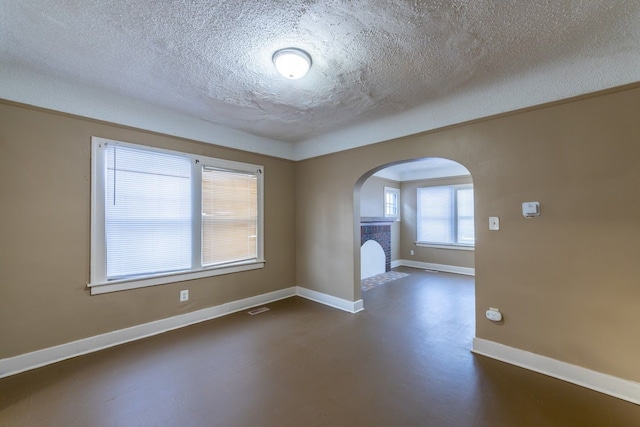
[(292, 63)]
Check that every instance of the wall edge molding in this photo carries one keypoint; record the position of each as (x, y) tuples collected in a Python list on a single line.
[(39, 358), (326, 299), (594, 380), (396, 263), (468, 271)]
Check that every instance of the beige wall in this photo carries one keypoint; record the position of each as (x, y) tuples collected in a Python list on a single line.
[(409, 233), (372, 196), (44, 226), (372, 205), (567, 281)]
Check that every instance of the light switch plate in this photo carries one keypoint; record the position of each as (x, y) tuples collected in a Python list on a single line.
[(494, 223)]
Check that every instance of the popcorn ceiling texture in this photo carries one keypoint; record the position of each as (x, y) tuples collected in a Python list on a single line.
[(371, 59)]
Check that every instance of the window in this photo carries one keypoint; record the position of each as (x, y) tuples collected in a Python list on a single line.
[(161, 216), (391, 202), (445, 216)]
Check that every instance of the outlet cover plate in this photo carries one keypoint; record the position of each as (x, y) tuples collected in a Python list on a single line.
[(494, 223)]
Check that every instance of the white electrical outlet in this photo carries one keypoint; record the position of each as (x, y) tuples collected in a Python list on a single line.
[(494, 314), (184, 295), (413, 252)]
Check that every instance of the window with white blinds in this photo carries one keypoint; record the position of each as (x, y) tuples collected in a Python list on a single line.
[(445, 215), (160, 216)]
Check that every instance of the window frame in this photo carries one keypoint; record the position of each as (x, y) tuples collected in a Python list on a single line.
[(453, 214), (391, 190), (99, 283)]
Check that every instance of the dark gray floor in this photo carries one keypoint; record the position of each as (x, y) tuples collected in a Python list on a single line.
[(404, 361)]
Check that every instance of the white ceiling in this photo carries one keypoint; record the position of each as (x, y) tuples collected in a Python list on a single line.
[(381, 68), (428, 168)]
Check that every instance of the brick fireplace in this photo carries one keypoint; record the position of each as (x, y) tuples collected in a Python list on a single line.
[(378, 229)]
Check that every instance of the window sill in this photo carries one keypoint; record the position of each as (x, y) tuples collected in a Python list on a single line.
[(452, 247), (125, 284)]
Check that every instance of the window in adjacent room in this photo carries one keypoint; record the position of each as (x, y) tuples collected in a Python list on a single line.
[(161, 216), (391, 202), (445, 216)]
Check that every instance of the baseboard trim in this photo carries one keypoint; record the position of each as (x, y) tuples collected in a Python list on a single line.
[(36, 359), (396, 263), (24, 362), (438, 267), (603, 383), (330, 300)]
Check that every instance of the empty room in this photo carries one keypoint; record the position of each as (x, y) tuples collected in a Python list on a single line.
[(335, 213)]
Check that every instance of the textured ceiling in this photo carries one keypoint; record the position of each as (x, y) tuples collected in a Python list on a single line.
[(372, 59)]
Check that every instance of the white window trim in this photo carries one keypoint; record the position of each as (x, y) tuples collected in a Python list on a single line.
[(384, 202), (99, 284), (162, 279)]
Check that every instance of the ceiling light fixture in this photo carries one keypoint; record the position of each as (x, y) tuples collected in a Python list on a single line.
[(292, 63)]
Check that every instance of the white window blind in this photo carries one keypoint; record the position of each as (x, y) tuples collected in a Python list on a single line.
[(435, 223), (445, 215), (465, 220), (148, 212), (229, 216)]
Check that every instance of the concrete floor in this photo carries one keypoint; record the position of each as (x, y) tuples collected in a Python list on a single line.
[(404, 361)]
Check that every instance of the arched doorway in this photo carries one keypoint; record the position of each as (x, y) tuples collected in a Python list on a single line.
[(420, 213)]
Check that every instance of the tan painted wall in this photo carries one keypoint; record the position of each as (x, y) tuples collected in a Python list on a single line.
[(44, 228), (409, 233), (568, 281), (372, 196), (372, 205)]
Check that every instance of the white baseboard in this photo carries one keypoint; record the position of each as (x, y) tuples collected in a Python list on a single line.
[(438, 267), (603, 383), (335, 302), (36, 359), (396, 263), (24, 362)]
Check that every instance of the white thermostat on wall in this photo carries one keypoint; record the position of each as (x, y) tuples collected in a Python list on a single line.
[(531, 209)]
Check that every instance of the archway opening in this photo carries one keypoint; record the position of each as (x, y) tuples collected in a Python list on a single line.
[(421, 214)]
